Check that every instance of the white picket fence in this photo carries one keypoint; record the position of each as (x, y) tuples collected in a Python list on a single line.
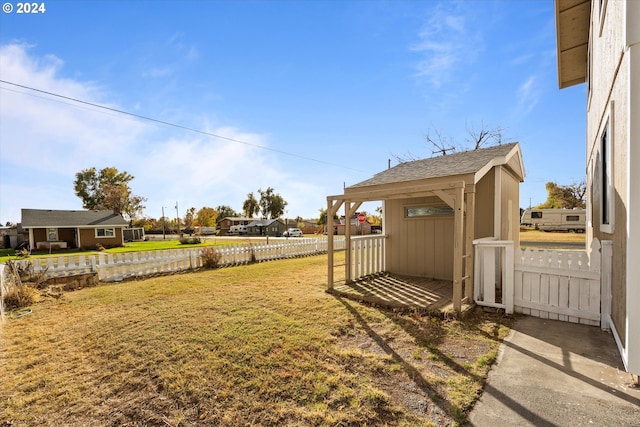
[(119, 266), (367, 255), (565, 285)]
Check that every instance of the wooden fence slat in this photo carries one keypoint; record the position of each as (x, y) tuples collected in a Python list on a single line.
[(554, 284)]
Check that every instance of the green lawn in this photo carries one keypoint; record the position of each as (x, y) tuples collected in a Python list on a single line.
[(261, 344), (150, 245)]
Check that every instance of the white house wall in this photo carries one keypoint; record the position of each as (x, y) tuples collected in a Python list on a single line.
[(633, 191), (613, 98)]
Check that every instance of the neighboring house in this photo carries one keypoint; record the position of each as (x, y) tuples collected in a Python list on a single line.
[(12, 236), (226, 223), (73, 229), (309, 226), (434, 208), (598, 43), (266, 227), (357, 228)]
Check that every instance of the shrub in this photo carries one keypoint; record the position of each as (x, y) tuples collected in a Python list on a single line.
[(23, 253), (210, 257), (190, 240)]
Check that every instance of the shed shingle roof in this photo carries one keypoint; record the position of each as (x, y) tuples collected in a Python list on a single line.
[(58, 218), (462, 163)]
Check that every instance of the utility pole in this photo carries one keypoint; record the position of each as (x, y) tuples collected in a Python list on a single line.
[(178, 218), (164, 237)]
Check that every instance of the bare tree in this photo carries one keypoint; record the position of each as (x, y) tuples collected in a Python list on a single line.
[(441, 145), (484, 136)]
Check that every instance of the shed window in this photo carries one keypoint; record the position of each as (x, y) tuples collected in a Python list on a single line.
[(573, 217), (422, 211), (105, 232), (52, 234), (536, 214)]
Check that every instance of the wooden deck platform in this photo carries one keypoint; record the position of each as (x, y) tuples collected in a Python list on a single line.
[(394, 291)]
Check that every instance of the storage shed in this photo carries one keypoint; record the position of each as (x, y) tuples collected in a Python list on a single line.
[(434, 208)]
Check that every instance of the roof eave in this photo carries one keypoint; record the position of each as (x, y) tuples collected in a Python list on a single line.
[(513, 160), (572, 40)]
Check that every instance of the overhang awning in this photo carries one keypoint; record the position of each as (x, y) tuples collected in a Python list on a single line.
[(572, 35)]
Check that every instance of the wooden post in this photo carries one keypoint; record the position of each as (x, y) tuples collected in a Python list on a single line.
[(469, 234), (349, 210), (458, 233), (332, 208)]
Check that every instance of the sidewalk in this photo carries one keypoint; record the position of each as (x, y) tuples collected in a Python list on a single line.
[(552, 373)]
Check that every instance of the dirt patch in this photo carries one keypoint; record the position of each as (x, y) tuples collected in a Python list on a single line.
[(432, 360)]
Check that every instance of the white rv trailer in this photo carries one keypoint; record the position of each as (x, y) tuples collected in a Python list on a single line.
[(237, 230), (555, 219)]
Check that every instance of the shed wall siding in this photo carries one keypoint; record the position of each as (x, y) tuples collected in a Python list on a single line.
[(485, 206), (510, 224), (419, 246)]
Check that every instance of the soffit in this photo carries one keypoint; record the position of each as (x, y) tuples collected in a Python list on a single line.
[(572, 40)]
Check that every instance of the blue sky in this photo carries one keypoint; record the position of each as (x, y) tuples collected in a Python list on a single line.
[(330, 89)]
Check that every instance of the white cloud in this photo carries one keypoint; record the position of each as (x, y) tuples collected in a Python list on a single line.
[(446, 42), (528, 96), (45, 141)]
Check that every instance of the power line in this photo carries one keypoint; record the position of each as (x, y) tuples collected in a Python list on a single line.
[(166, 123)]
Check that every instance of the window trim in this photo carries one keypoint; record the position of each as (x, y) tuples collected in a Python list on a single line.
[(52, 231), (606, 174), (442, 210), (602, 15), (105, 236)]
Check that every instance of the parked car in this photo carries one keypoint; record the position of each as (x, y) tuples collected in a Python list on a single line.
[(293, 232)]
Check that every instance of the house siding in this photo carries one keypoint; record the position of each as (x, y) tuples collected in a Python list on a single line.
[(607, 102), (88, 239), (39, 235)]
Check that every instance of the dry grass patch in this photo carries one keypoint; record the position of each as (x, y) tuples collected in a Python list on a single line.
[(261, 344), (532, 235)]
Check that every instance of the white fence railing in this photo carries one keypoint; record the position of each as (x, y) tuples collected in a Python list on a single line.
[(493, 281), (119, 266), (367, 255), (552, 284)]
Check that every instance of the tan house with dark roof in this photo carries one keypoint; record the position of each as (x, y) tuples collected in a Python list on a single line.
[(434, 208), (63, 229), (598, 43)]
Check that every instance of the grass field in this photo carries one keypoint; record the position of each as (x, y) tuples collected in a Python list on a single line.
[(261, 344), (531, 235), (151, 245)]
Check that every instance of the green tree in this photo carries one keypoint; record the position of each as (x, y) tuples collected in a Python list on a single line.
[(323, 217), (206, 217), (564, 197), (251, 206), (272, 205), (190, 218), (108, 188)]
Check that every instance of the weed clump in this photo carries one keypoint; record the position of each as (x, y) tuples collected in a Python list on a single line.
[(210, 257), (20, 288)]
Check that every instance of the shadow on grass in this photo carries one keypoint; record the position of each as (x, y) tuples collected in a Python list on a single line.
[(408, 369)]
